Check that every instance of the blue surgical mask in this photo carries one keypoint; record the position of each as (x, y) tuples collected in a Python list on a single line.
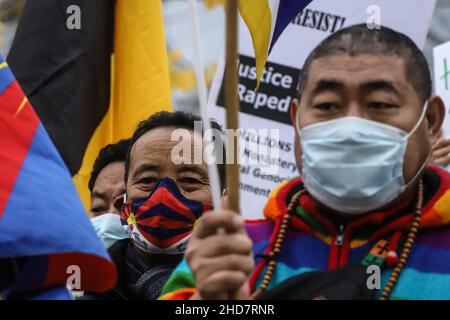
[(109, 228), (354, 165)]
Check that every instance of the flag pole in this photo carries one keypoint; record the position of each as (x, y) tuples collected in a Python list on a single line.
[(232, 104)]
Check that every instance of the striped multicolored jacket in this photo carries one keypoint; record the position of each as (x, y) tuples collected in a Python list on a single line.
[(315, 242)]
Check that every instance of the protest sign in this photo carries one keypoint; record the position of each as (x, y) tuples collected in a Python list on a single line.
[(442, 80), (267, 136)]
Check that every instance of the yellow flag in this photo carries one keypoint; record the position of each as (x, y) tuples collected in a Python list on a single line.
[(139, 82), (258, 18)]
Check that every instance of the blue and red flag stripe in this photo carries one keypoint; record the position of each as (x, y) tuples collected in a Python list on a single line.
[(13, 143), (43, 224)]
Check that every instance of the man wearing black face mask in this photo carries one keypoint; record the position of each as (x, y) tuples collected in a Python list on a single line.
[(164, 198)]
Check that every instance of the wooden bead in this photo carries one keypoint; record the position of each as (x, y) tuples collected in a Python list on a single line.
[(414, 229), (277, 246)]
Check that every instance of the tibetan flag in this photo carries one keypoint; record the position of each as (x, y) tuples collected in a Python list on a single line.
[(45, 235), (266, 20), (91, 86)]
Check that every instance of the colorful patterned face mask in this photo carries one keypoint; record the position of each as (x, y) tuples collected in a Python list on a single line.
[(162, 222)]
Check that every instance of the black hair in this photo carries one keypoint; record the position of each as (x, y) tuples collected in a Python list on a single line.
[(115, 152), (359, 39), (177, 119)]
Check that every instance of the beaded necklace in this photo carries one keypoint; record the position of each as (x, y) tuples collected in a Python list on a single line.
[(386, 293)]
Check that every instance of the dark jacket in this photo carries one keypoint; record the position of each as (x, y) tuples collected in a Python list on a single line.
[(137, 278)]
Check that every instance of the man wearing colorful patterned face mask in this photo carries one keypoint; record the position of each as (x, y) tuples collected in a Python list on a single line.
[(162, 222), (163, 200), (369, 217)]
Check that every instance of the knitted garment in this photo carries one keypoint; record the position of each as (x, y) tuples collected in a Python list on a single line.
[(310, 243)]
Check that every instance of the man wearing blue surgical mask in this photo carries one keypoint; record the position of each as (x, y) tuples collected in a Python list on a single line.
[(367, 202), (107, 188), (106, 183)]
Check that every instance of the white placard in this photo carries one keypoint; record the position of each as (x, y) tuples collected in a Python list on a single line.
[(269, 107), (442, 80)]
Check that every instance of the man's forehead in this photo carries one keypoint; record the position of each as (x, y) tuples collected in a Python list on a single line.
[(110, 178), (158, 138), (113, 171), (163, 139), (359, 68), (160, 142)]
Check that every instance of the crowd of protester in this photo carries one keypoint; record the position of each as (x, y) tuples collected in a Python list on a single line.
[(373, 189)]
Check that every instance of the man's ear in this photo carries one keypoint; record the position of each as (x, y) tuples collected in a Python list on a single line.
[(435, 116), (293, 112)]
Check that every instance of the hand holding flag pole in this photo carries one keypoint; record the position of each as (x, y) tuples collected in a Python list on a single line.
[(232, 107), (265, 20)]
